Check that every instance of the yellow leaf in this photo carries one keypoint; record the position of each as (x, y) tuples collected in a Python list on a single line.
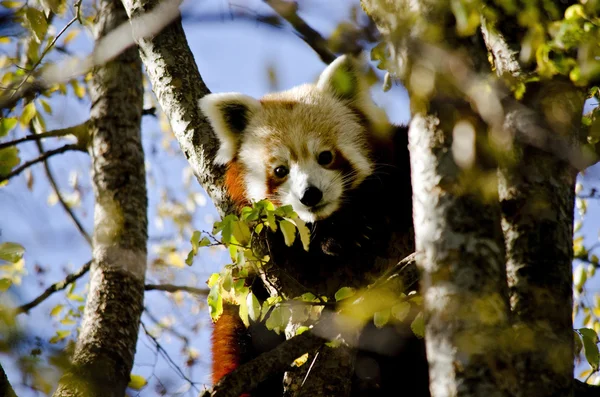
[(46, 106), (289, 232), (11, 4), (70, 36), (56, 310), (28, 112), (4, 40), (175, 259), (78, 89), (37, 22), (136, 382)]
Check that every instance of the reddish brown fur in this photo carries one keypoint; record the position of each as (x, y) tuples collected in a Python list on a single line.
[(234, 182), (225, 343)]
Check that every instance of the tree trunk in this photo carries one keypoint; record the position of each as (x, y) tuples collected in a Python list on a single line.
[(178, 86), (105, 349)]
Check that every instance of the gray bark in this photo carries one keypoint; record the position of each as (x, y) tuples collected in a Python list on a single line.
[(537, 196), (178, 86), (6, 389), (105, 349), (461, 255)]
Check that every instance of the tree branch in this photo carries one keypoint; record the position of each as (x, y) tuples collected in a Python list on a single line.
[(6, 389), (170, 65), (289, 12), (175, 288), (248, 376), (61, 199), (59, 286), (74, 130), (43, 157)]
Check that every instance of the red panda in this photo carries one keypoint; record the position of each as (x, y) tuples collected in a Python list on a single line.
[(328, 151)]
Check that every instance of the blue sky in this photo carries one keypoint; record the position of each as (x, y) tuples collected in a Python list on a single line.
[(231, 56)]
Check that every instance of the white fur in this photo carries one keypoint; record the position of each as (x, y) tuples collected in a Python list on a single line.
[(322, 118), (211, 106)]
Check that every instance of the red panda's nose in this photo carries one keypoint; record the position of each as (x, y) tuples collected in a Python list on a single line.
[(311, 196)]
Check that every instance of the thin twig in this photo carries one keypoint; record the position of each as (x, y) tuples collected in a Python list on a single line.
[(54, 185), (47, 134), (48, 47), (175, 288), (59, 286), (289, 12), (41, 158), (171, 330), (167, 357)]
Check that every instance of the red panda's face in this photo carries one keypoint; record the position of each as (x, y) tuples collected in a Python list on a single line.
[(307, 154), (306, 147)]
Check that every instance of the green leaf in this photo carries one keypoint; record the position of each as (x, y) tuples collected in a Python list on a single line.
[(381, 318), (9, 159), (253, 306), (401, 310), (590, 348), (56, 310), (195, 240), (289, 232), (46, 106), (241, 232), (302, 330), (578, 343), (344, 293), (213, 279), (243, 312), (37, 22), (60, 335), (6, 125), (28, 112), (418, 326), (271, 221), (275, 321), (79, 90), (215, 302), (5, 284), (304, 233), (11, 4), (11, 252), (136, 382), (227, 282)]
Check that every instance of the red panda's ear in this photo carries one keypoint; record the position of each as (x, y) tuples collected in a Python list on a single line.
[(229, 115), (345, 79)]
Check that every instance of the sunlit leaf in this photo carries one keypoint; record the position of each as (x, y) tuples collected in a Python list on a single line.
[(56, 310), (401, 310), (215, 302), (60, 335), (253, 306), (11, 252), (590, 347), (381, 318), (70, 36), (11, 4), (241, 232), (28, 112), (6, 125), (5, 284), (289, 232), (37, 22), (418, 326), (344, 293), (136, 382)]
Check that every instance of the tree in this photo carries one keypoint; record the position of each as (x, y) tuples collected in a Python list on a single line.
[(497, 92)]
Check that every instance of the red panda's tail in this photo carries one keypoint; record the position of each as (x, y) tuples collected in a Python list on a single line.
[(227, 338)]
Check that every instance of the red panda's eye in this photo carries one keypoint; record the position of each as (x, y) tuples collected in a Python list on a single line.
[(281, 171), (325, 158)]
